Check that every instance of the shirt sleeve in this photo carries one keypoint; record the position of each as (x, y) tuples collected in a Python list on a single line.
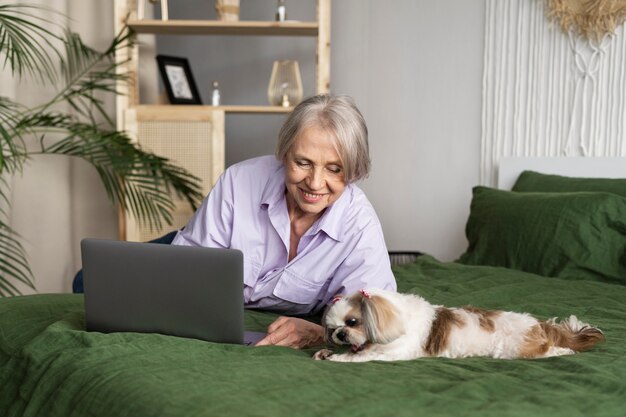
[(212, 224), (367, 266)]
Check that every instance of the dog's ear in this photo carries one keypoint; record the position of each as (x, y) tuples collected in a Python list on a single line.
[(328, 332), (381, 319), (330, 305)]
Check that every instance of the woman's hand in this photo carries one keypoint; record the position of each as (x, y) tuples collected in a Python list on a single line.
[(293, 332)]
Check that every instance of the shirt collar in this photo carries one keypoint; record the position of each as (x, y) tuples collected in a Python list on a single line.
[(274, 188), (332, 220)]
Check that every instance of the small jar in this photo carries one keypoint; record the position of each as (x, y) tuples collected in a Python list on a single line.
[(215, 94), (281, 11)]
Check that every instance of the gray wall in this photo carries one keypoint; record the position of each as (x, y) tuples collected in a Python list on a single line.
[(415, 69)]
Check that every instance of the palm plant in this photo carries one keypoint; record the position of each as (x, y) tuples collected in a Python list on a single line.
[(70, 123)]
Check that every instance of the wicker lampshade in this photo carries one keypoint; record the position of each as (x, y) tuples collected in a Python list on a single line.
[(285, 88)]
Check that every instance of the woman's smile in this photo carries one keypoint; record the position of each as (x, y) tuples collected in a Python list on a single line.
[(310, 197)]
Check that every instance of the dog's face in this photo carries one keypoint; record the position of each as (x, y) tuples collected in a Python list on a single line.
[(361, 319)]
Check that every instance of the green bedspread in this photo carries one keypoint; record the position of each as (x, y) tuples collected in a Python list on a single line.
[(49, 366)]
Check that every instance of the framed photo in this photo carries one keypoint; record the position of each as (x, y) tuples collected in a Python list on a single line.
[(178, 80)]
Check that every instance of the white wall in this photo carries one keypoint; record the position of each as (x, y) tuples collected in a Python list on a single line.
[(415, 67), (415, 70)]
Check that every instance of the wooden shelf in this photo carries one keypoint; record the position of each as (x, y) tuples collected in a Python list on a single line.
[(217, 27), (160, 108), (255, 109)]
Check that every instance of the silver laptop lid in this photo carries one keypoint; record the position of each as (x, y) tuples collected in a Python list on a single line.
[(154, 288)]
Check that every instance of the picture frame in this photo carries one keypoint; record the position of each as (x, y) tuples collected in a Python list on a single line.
[(178, 80)]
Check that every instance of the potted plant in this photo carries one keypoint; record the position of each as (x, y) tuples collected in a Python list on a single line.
[(138, 180)]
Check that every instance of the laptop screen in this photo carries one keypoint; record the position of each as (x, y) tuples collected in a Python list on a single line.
[(182, 291)]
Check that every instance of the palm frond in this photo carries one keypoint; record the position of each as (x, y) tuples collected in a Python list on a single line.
[(139, 180), (25, 42), (12, 146), (88, 73)]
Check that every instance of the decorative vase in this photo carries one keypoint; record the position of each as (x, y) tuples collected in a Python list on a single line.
[(285, 87), (227, 10)]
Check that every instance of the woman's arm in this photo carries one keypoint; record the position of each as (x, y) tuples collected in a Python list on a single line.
[(293, 332), (211, 224), (366, 266)]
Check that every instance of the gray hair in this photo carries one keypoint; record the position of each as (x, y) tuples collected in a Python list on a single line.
[(339, 115)]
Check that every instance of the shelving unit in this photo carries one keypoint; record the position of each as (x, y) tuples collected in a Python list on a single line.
[(196, 125)]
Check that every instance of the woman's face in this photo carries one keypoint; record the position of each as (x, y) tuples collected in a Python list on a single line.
[(314, 173)]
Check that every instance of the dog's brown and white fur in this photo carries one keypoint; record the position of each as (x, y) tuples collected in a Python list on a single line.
[(388, 326)]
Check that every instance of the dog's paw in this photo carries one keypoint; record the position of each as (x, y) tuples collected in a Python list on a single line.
[(322, 354)]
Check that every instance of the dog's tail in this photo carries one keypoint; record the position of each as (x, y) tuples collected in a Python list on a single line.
[(572, 333), (550, 338)]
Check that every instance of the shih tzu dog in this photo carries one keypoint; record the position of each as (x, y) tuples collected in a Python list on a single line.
[(388, 326)]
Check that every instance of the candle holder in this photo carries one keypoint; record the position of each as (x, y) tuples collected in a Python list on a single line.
[(285, 87)]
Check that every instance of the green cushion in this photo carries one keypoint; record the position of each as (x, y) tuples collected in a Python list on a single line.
[(537, 182), (579, 235)]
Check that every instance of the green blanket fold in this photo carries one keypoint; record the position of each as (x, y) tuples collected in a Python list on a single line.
[(49, 366)]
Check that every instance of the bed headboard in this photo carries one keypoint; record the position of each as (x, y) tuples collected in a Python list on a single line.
[(601, 167)]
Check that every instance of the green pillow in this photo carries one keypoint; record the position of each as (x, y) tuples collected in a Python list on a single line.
[(579, 235), (537, 182)]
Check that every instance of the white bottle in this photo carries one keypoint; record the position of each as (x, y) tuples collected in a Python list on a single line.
[(281, 11), (215, 94)]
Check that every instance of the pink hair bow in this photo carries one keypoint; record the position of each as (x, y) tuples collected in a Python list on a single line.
[(365, 294)]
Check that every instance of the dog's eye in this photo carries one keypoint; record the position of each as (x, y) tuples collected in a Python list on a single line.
[(351, 322)]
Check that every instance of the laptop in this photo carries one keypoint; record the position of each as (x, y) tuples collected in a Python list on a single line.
[(184, 291)]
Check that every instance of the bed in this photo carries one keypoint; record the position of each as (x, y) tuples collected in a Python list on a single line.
[(49, 366)]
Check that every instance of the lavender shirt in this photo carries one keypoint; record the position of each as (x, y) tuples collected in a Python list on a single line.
[(342, 252)]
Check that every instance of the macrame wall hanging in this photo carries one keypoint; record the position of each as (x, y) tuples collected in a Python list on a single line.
[(554, 80), (592, 19)]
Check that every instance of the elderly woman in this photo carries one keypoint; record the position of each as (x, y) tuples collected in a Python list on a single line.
[(306, 231)]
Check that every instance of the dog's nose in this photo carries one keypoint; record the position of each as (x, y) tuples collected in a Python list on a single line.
[(341, 335)]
